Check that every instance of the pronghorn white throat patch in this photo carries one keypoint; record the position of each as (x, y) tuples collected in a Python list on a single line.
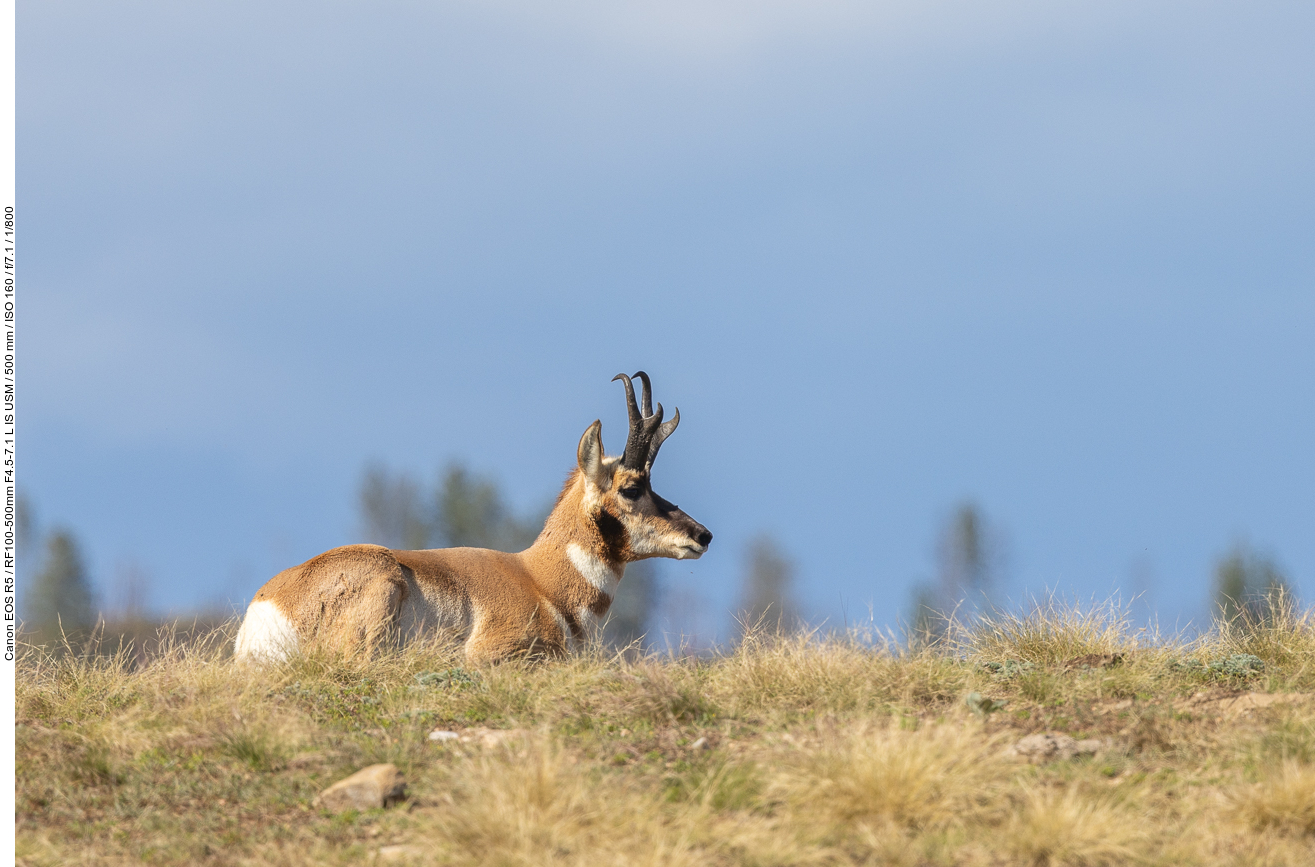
[(594, 570)]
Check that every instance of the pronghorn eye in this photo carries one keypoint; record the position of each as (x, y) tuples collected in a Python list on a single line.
[(633, 492)]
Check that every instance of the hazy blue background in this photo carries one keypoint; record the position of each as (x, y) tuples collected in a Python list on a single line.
[(1056, 258)]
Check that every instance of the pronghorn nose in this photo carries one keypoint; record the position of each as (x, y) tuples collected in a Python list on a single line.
[(703, 538)]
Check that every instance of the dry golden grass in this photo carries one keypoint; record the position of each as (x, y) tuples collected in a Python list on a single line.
[(1070, 827), (932, 778), (1049, 632), (815, 750), (1284, 800), (1284, 641)]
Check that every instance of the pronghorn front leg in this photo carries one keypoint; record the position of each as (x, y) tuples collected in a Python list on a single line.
[(496, 638)]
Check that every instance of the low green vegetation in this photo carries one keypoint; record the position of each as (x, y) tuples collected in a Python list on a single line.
[(788, 750)]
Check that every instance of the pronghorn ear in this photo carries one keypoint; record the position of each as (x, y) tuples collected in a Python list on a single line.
[(590, 455)]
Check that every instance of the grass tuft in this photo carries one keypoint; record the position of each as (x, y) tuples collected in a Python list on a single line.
[(1284, 801), (1050, 631), (1283, 637), (933, 778), (1072, 828)]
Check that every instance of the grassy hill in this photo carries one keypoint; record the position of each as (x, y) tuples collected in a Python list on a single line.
[(799, 750)]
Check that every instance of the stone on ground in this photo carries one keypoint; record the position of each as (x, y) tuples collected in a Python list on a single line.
[(1050, 746), (367, 789)]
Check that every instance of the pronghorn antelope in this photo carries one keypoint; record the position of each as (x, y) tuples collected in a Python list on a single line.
[(540, 602)]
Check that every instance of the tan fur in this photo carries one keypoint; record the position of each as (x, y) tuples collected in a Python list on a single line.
[(534, 603)]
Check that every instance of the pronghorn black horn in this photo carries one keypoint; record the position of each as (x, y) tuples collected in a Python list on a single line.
[(664, 430), (646, 428), (646, 400), (631, 409)]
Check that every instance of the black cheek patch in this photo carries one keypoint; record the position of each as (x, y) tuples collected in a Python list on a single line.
[(613, 533), (609, 525)]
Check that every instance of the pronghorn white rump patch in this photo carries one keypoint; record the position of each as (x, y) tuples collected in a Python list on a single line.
[(266, 634), (594, 570)]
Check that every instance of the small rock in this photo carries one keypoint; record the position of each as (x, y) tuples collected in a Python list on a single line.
[(442, 736), (1048, 747), (367, 789), (700, 744)]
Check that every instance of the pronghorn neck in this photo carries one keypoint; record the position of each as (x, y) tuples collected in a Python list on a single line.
[(581, 551), (600, 575)]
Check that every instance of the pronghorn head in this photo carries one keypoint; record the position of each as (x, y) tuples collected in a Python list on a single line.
[(633, 521)]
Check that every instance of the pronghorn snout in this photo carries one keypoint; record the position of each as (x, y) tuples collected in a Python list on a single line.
[(700, 537)]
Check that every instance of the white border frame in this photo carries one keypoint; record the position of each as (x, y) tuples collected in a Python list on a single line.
[(8, 40)]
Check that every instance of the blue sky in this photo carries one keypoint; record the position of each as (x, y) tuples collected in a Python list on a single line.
[(1053, 258)]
